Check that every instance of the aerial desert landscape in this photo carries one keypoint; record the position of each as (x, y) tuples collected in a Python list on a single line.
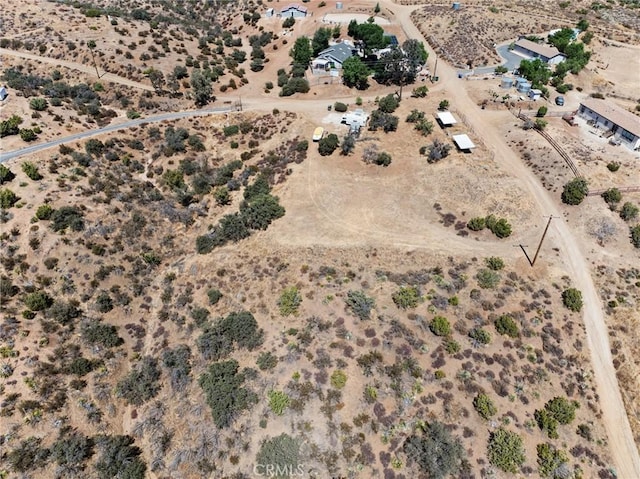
[(357, 239)]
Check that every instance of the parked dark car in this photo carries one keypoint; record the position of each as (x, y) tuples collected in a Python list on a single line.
[(560, 100)]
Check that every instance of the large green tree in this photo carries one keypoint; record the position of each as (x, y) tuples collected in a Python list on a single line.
[(301, 52), (536, 71), (202, 89), (355, 73), (321, 39), (506, 450)]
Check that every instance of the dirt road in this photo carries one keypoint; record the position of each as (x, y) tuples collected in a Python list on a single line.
[(621, 444), (111, 77)]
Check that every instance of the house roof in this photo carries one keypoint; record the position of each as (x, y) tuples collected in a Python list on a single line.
[(446, 118), (546, 51), (615, 114), (295, 6), (463, 142), (339, 52)]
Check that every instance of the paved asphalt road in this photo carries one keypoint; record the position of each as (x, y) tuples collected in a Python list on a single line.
[(511, 61), (120, 126)]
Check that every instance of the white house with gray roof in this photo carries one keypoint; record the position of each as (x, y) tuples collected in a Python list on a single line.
[(530, 50), (332, 58)]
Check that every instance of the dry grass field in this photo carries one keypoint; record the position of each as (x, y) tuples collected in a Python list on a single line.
[(206, 297)]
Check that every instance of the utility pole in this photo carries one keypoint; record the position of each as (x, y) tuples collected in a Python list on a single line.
[(541, 240), (435, 69)]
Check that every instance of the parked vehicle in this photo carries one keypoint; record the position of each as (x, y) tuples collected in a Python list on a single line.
[(318, 133), (560, 100)]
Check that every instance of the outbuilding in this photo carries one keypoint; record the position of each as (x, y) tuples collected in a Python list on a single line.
[(535, 94), (622, 125), (3, 93), (294, 10), (463, 142), (531, 50), (445, 119)]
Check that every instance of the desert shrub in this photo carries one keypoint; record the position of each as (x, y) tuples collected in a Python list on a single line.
[(389, 103), (289, 301), (476, 224), (425, 127), (572, 299), (484, 406), (7, 288), (31, 171), (437, 151), (494, 263), (328, 144), (38, 301), (231, 130), (575, 191), (222, 386), (67, 217), (480, 335), (29, 455), (506, 450), (451, 346), (267, 360), (7, 198), (217, 340), (72, 451), (612, 196), (420, 92), (635, 236), (260, 212), (360, 304), (205, 244), (281, 452), (613, 166), (214, 296), (487, 279), (443, 105), (288, 22), (499, 227), (542, 111), (384, 121), (6, 175), (440, 326), (506, 325), (340, 107), (94, 147), (10, 126), (278, 402), (119, 458), (178, 361), (436, 452), (81, 366), (141, 384), (406, 297), (348, 144), (104, 303), (383, 159), (546, 422), (556, 411), (106, 335), (629, 211), (415, 116), (44, 212), (38, 104), (338, 379), (552, 462)]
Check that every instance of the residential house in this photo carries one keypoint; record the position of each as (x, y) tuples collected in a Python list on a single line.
[(622, 125), (547, 53), (332, 58), (294, 10)]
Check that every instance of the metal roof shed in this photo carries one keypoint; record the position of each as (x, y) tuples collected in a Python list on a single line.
[(463, 142), (446, 118)]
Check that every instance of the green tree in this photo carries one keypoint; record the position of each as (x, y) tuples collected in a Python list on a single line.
[(10, 126), (202, 89), (328, 144), (494, 263), (572, 299), (443, 105), (476, 224), (575, 191), (38, 301), (320, 40), (31, 171), (28, 134), (436, 451), (536, 71), (388, 104), (301, 52), (480, 335), (542, 111), (582, 24), (484, 406), (371, 35), (506, 450), (258, 213), (635, 235), (142, 383), (119, 458), (355, 73), (71, 453)]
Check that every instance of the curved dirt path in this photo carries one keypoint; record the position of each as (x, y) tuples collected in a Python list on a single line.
[(622, 447), (111, 77)]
